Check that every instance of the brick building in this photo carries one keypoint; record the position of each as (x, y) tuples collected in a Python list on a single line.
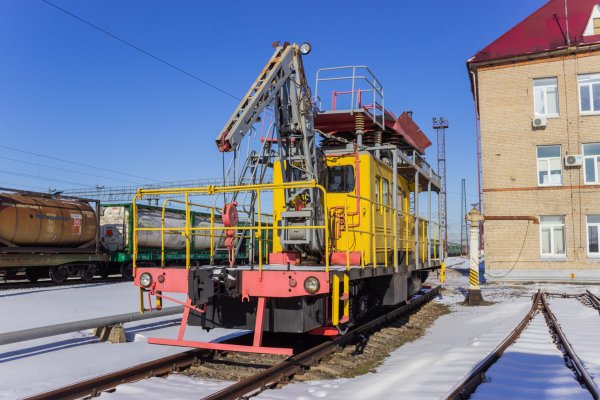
[(537, 92)]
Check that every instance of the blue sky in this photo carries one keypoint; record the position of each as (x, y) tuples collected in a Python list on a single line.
[(72, 93)]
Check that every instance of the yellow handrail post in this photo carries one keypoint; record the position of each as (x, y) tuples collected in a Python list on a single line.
[(346, 224), (423, 244), (406, 227), (373, 241), (385, 236), (395, 241), (259, 233), (335, 300), (187, 231), (162, 233), (434, 242)]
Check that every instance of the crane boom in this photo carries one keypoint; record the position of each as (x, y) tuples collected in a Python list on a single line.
[(282, 83), (262, 92)]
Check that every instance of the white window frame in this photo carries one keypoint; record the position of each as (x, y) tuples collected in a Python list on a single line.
[(596, 166), (587, 233), (596, 80), (552, 254), (544, 90), (547, 161)]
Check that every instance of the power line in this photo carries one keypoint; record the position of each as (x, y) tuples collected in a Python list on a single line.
[(63, 169), (42, 178), (74, 162), (157, 58)]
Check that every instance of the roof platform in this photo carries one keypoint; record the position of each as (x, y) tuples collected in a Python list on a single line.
[(356, 96)]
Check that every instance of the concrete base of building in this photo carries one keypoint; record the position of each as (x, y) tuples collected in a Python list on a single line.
[(537, 275)]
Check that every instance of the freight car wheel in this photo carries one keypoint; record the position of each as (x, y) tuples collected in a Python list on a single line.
[(59, 274), (88, 273), (127, 271)]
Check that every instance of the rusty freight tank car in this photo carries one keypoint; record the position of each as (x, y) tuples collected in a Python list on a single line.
[(48, 235)]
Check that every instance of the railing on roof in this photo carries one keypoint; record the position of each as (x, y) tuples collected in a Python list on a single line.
[(353, 89)]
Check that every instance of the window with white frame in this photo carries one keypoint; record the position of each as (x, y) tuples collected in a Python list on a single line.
[(591, 162), (593, 227), (545, 97), (549, 165), (552, 236), (589, 93)]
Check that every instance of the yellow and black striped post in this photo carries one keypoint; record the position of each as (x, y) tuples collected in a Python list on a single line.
[(474, 293)]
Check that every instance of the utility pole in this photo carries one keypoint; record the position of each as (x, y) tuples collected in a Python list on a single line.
[(464, 227), (440, 126)]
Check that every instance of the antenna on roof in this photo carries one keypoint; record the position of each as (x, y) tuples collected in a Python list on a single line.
[(567, 23)]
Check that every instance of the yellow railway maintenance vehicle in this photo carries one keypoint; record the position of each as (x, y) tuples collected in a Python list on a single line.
[(344, 226)]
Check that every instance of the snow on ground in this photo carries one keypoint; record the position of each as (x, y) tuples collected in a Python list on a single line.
[(425, 369), (39, 365), (532, 368), (572, 316)]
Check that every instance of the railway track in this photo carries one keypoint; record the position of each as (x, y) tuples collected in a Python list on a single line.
[(19, 285), (268, 377), (540, 308)]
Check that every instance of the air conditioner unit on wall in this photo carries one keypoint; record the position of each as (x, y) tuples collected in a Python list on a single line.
[(573, 160), (539, 122)]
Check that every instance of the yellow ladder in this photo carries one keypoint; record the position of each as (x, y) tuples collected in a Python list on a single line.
[(336, 299)]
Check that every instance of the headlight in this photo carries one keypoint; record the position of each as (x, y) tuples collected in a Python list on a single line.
[(311, 285), (145, 279), (305, 48)]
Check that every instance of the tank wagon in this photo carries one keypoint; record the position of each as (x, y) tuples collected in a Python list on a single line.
[(51, 235), (349, 231)]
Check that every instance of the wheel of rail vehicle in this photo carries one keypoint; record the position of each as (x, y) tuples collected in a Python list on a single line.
[(87, 273), (59, 274), (34, 274), (127, 271)]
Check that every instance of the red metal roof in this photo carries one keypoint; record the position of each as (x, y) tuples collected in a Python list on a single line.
[(544, 30)]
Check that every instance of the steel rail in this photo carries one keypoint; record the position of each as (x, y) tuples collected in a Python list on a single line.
[(593, 299), (68, 327), (578, 366), (92, 387), (19, 285), (273, 375), (286, 369), (467, 386)]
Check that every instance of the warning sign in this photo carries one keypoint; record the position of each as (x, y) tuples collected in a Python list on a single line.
[(76, 224)]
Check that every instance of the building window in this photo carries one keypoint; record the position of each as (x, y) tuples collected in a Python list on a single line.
[(545, 97), (549, 166), (596, 26), (593, 227), (589, 93), (552, 236), (591, 162), (340, 179)]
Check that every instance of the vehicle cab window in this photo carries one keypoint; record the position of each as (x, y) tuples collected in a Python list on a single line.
[(340, 179)]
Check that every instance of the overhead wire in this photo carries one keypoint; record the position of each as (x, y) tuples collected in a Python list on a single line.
[(43, 178), (64, 169), (147, 53), (73, 162)]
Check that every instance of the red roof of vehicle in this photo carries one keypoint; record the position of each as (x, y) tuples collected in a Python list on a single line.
[(544, 30)]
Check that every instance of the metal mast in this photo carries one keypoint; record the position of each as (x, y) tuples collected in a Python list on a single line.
[(440, 126), (464, 229)]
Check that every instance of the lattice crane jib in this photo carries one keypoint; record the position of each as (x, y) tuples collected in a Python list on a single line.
[(282, 85)]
